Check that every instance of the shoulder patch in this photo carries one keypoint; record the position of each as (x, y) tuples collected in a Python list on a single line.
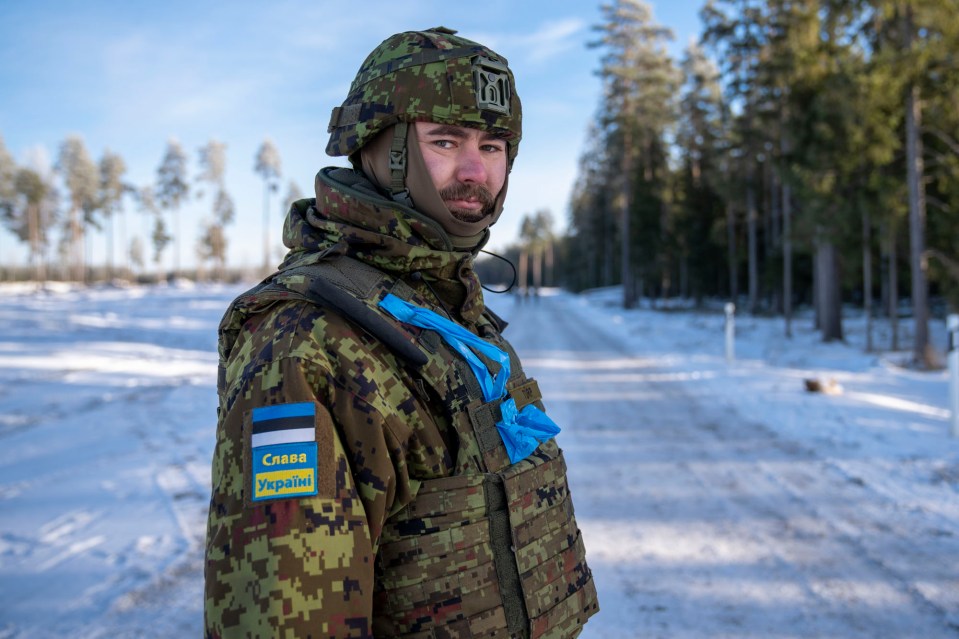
[(290, 455)]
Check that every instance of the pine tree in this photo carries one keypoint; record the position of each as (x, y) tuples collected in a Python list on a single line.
[(136, 253), (591, 232), (641, 83), (146, 204), (213, 243), (112, 190), (172, 189), (82, 180), (700, 140), (738, 33), (8, 174), (268, 166), (34, 213)]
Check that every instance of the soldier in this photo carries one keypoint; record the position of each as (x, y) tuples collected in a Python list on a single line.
[(383, 467)]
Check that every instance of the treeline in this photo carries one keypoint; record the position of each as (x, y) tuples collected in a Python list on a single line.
[(80, 196), (790, 157)]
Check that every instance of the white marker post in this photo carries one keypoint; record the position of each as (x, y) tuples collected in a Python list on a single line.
[(730, 331), (952, 355)]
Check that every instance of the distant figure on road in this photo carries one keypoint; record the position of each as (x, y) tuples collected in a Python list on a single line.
[(383, 466)]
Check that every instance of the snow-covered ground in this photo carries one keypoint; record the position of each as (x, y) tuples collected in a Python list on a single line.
[(717, 499)]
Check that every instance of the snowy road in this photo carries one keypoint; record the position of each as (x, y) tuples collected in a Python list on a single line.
[(716, 500), (700, 521)]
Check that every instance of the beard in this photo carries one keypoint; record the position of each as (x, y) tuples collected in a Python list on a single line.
[(460, 191)]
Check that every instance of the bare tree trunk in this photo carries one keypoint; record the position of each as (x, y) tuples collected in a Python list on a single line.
[(731, 248), (787, 242), (550, 281), (76, 245), (266, 227), (893, 290), (111, 226), (867, 276), (787, 259), (772, 229), (915, 172), (125, 262), (33, 232), (816, 290), (775, 213), (629, 297), (917, 227), (608, 252), (523, 268), (828, 290), (883, 310), (752, 222), (537, 256), (666, 260), (684, 277), (177, 241)]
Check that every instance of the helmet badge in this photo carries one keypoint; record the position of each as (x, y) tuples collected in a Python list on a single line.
[(491, 81)]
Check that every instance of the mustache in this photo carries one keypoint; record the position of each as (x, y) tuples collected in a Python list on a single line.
[(460, 191)]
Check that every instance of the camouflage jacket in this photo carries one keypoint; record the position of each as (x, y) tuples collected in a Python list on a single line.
[(344, 542)]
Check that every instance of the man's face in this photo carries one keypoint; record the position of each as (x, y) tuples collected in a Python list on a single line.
[(468, 167)]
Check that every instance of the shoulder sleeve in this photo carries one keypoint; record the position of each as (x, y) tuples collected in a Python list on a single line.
[(287, 556)]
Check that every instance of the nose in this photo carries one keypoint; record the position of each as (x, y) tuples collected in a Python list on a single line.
[(470, 167)]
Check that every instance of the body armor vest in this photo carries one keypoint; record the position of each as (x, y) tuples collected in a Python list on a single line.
[(492, 550)]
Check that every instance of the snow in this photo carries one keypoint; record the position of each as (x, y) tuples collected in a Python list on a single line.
[(716, 498)]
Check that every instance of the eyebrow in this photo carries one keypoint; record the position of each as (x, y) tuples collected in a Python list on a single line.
[(449, 130)]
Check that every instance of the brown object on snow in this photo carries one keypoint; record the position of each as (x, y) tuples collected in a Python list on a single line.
[(827, 387)]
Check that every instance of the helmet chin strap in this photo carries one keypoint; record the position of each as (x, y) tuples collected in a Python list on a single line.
[(398, 165)]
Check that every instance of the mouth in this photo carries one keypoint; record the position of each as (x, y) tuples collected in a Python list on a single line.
[(472, 204)]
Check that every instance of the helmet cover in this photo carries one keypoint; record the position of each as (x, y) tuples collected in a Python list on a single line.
[(433, 76)]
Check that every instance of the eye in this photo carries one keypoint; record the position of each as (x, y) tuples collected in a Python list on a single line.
[(494, 147)]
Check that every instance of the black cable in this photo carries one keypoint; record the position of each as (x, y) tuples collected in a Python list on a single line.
[(511, 265), (418, 277)]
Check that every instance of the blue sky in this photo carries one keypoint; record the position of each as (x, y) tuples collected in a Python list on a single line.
[(129, 76)]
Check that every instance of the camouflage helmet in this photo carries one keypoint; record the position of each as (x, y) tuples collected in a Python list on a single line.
[(430, 75)]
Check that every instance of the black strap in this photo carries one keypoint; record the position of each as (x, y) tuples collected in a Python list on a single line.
[(331, 296)]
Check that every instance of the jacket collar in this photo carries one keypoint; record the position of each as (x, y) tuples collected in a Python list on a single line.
[(350, 217)]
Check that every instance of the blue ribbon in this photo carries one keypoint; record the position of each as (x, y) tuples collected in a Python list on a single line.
[(521, 430)]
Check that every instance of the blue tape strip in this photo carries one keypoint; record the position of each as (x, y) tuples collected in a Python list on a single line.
[(460, 339), (521, 431)]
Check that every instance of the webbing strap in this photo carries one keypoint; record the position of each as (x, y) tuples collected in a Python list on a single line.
[(336, 298), (507, 573), (398, 190), (484, 418)]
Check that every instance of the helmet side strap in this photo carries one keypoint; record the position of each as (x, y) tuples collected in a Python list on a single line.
[(398, 188)]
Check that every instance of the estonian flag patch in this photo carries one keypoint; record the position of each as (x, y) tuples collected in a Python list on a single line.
[(284, 451)]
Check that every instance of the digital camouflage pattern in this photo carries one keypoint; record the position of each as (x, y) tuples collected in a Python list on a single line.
[(402, 515), (431, 75), (394, 459)]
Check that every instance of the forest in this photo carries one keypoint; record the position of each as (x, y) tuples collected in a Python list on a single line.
[(801, 154), (82, 196)]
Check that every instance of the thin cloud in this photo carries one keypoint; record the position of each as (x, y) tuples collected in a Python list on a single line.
[(553, 39)]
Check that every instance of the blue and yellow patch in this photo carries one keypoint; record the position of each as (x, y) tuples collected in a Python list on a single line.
[(284, 451)]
